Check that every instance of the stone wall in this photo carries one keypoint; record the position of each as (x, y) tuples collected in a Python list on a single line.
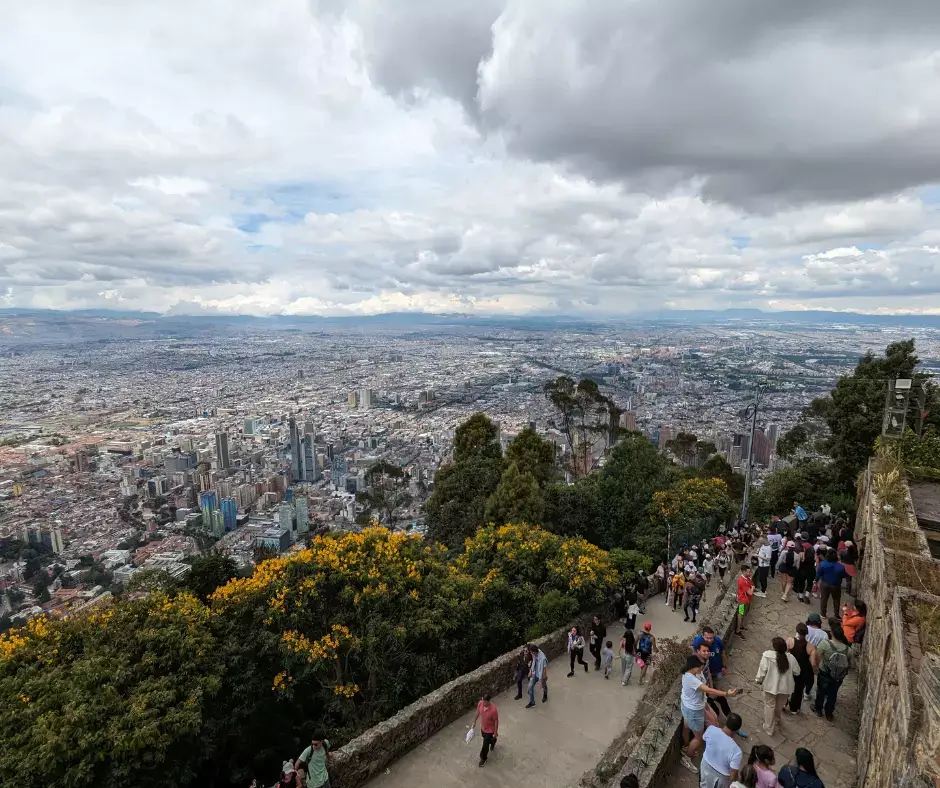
[(899, 684), (658, 746)]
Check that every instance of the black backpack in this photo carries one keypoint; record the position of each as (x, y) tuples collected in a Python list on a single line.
[(859, 636)]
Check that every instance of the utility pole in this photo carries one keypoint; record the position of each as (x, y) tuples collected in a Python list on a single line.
[(751, 411)]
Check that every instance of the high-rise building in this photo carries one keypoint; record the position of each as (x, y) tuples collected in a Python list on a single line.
[(229, 513), (285, 517), (310, 428), (250, 427), (366, 398), (338, 472), (217, 523), (207, 505), (302, 512), (352, 400), (57, 544), (666, 434), (310, 457), (221, 451), (296, 452), (773, 432), (179, 462), (628, 420), (762, 449), (32, 535)]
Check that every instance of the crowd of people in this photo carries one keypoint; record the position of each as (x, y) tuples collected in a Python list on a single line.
[(799, 551), (812, 555)]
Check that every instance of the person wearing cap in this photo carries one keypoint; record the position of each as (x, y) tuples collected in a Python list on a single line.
[(288, 778), (314, 761), (789, 566), (830, 573), (815, 635), (645, 648)]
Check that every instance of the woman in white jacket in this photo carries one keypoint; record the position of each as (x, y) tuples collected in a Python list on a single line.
[(776, 673), (576, 649)]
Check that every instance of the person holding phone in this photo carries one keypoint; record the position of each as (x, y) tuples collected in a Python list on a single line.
[(693, 702)]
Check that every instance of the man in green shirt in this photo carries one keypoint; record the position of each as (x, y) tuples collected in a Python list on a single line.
[(315, 759)]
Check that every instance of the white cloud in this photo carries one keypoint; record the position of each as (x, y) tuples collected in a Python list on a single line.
[(499, 156)]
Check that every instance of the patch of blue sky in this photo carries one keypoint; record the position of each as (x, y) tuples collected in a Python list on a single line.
[(741, 241), (930, 195), (291, 201)]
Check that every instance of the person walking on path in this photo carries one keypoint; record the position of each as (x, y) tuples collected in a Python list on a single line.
[(645, 648), (488, 715), (717, 704), (315, 760), (802, 651), (745, 597), (831, 664), (633, 610), (678, 588), (764, 562), (789, 566), (576, 650), (747, 777), (721, 564), (523, 662), (627, 656), (642, 591), (598, 633), (829, 573), (692, 702), (803, 581), (848, 557), (762, 759), (801, 515), (776, 674), (775, 540), (693, 598), (721, 759), (538, 674), (802, 774), (607, 658), (815, 634)]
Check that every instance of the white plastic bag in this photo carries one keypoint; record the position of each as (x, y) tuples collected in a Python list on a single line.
[(470, 735)]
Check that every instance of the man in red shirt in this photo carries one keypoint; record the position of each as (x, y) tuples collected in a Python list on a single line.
[(489, 725), (745, 596)]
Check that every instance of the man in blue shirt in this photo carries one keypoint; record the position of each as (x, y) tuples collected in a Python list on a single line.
[(801, 515), (829, 573), (538, 674)]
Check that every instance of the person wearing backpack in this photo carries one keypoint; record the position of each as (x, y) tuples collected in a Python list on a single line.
[(788, 567), (645, 647), (831, 664), (693, 597)]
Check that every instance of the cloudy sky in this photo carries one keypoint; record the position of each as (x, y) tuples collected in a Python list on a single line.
[(498, 156)]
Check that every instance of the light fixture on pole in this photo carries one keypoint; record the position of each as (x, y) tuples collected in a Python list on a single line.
[(896, 404)]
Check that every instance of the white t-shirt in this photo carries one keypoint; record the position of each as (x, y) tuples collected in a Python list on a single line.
[(764, 555), (775, 541), (692, 697), (721, 751)]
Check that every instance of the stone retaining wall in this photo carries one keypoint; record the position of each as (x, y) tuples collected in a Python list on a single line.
[(658, 747), (369, 753)]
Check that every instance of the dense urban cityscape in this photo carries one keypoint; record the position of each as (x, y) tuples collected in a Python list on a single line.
[(120, 454)]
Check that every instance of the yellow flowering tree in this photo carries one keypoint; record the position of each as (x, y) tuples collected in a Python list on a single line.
[(120, 697), (692, 508)]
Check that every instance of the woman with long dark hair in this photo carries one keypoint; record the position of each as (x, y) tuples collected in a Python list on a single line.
[(576, 649), (803, 651), (777, 672), (803, 774)]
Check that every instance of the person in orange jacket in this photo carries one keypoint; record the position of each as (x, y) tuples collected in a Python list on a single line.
[(853, 619)]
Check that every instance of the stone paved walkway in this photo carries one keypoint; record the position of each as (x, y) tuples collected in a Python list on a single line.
[(833, 744), (549, 746)]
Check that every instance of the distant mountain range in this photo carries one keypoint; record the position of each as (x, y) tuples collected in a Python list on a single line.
[(403, 320)]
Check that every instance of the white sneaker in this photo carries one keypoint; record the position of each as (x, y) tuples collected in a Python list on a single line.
[(760, 594), (687, 762)]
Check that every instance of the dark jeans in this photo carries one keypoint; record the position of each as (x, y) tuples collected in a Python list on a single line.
[(631, 622), (577, 654), (675, 600), (596, 652), (762, 572), (825, 592), (691, 609), (521, 674), (827, 690), (801, 684), (489, 741), (719, 703), (774, 557)]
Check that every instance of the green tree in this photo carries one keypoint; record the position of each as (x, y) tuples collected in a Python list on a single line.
[(633, 472), (689, 450), (584, 416), (692, 509), (457, 505), (574, 509), (208, 572), (854, 410), (476, 438), (387, 491), (533, 454), (810, 483), (717, 467), (517, 498), (150, 581)]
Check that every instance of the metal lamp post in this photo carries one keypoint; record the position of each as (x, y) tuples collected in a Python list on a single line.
[(751, 411)]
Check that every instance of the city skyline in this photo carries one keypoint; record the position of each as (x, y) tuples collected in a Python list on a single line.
[(491, 158)]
